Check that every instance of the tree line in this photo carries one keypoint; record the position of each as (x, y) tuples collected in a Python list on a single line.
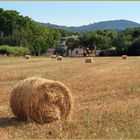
[(21, 32), (109, 42)]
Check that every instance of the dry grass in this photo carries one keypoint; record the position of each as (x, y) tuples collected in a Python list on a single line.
[(106, 94)]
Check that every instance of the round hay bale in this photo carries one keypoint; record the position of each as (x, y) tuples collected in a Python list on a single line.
[(60, 58), (124, 57), (41, 100), (53, 56), (89, 60), (27, 57)]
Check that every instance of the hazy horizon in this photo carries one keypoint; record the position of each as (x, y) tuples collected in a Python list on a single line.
[(89, 23), (75, 13)]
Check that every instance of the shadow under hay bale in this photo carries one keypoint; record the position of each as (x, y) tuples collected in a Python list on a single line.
[(8, 122), (89, 60), (60, 58), (41, 100), (27, 57), (124, 56)]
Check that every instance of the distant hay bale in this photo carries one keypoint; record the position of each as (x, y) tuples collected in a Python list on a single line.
[(124, 57), (89, 60), (27, 57), (59, 57), (53, 56), (41, 100)]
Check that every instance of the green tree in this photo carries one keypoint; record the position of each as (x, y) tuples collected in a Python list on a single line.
[(59, 51), (53, 39), (39, 46), (72, 44), (134, 48)]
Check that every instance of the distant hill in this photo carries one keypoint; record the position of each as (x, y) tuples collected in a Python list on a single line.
[(111, 24)]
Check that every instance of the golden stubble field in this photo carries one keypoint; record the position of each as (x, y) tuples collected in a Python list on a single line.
[(106, 97)]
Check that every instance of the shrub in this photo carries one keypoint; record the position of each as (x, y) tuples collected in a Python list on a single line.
[(15, 51), (60, 51), (108, 53)]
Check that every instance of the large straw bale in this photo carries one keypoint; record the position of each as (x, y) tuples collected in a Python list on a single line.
[(53, 56), (89, 60), (41, 100), (27, 57), (60, 58), (124, 56)]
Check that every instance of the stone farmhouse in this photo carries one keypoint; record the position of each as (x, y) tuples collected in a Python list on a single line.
[(63, 44), (75, 52)]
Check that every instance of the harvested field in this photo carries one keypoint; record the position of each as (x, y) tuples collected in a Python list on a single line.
[(106, 97)]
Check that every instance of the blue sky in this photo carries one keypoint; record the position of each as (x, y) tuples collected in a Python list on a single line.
[(75, 13)]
